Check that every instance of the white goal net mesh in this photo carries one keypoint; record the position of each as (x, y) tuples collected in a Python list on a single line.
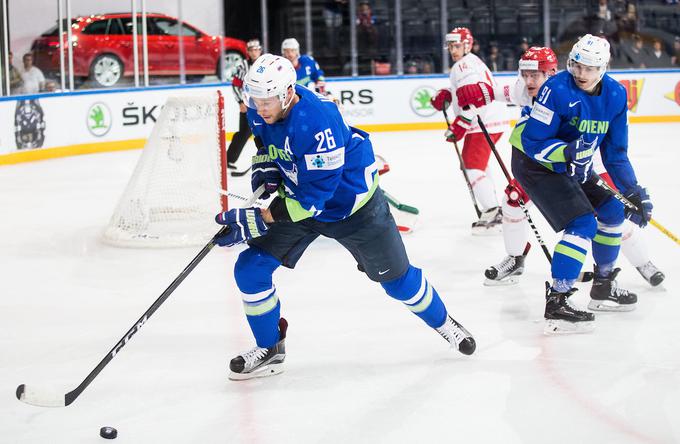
[(174, 192)]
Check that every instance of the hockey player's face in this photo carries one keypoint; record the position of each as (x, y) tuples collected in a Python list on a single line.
[(254, 53), (457, 51), (586, 77), (291, 54), (269, 109), (533, 79)]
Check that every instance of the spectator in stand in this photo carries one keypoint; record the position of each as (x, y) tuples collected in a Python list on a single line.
[(521, 49), (495, 60), (675, 59), (628, 23), (428, 67), (15, 80), (333, 12), (634, 53), (51, 86), (367, 34), (603, 23), (411, 67), (657, 57), (32, 76), (477, 50)]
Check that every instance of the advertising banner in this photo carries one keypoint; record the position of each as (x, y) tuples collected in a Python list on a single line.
[(94, 121)]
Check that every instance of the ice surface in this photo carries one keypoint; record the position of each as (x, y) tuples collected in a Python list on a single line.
[(360, 368)]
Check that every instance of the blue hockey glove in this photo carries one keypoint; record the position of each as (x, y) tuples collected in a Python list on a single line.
[(244, 224), (638, 196), (266, 172), (579, 157)]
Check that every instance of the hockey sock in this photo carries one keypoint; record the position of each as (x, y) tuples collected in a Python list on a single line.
[(418, 296), (570, 252), (633, 246), (253, 273), (606, 246), (607, 241), (483, 188), (515, 234)]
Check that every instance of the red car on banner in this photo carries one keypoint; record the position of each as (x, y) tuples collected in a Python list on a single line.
[(103, 49)]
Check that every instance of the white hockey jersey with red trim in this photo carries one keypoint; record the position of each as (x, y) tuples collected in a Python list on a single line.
[(468, 70)]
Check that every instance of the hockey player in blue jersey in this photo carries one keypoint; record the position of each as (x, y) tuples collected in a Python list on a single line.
[(325, 178), (307, 70), (576, 113)]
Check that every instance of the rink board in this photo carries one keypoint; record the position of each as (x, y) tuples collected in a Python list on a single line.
[(86, 122)]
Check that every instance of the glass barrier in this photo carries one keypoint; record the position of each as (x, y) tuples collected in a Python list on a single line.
[(183, 45), (641, 34), (34, 45)]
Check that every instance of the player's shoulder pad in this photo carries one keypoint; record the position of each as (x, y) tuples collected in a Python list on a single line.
[(307, 58)]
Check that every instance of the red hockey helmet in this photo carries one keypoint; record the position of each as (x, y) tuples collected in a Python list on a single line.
[(538, 58), (460, 35)]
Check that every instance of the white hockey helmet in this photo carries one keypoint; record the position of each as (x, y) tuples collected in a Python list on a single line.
[(290, 43), (591, 51), (270, 76)]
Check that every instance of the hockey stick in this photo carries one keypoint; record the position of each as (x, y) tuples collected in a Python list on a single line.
[(462, 167), (621, 198), (49, 398), (585, 276), (240, 173)]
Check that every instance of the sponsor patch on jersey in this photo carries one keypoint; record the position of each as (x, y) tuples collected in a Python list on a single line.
[(325, 161), (541, 113)]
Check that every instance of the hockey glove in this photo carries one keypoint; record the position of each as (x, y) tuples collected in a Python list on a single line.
[(477, 94), (579, 157), (457, 129), (266, 172), (515, 192), (442, 99), (244, 224), (638, 196)]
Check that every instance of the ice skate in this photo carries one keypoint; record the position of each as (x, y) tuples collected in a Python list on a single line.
[(457, 336), (651, 274), (606, 295), (563, 318), (506, 271), (489, 223), (260, 362)]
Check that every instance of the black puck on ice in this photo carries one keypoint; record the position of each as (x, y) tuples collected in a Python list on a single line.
[(108, 432)]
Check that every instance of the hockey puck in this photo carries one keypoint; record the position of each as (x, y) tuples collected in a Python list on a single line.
[(108, 432)]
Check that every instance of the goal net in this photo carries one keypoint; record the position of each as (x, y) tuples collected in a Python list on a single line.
[(179, 183)]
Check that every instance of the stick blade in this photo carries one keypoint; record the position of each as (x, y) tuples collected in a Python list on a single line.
[(40, 397)]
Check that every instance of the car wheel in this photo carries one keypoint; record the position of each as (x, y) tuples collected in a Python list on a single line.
[(106, 70), (230, 61)]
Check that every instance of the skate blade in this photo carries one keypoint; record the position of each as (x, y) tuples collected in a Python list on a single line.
[(560, 327), (267, 370), (484, 231), (510, 280), (596, 305)]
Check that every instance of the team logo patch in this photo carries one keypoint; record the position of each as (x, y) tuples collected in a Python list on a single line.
[(420, 101), (325, 161), (541, 113)]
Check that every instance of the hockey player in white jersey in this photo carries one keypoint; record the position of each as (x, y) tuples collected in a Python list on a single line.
[(468, 69), (536, 65)]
